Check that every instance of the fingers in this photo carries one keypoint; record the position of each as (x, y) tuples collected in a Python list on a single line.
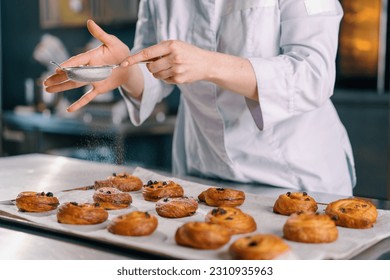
[(98, 32), (59, 82), (152, 53), (84, 100)]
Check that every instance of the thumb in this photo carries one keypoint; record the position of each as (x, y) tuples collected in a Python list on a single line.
[(97, 32)]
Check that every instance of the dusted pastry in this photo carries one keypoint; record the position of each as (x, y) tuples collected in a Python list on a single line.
[(153, 191), (111, 198), (122, 181), (177, 207)]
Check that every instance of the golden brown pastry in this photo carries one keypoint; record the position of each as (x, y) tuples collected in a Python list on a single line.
[(233, 219), (136, 223), (352, 213), (258, 247), (154, 191), (222, 197), (293, 202), (122, 181), (111, 198), (81, 213), (36, 201), (177, 207), (202, 235), (310, 227)]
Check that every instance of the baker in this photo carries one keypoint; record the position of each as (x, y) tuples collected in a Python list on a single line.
[(255, 77)]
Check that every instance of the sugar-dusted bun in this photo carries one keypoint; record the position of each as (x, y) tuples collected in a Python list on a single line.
[(154, 191), (122, 181), (177, 207), (111, 198)]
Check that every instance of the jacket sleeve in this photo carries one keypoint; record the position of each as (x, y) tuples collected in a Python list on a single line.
[(301, 78), (154, 89)]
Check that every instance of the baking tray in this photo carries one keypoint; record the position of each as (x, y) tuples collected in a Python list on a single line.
[(161, 243)]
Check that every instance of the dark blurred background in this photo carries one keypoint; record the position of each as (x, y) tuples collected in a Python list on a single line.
[(33, 121)]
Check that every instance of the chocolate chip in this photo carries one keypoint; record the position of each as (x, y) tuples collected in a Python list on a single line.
[(114, 174), (108, 192), (74, 203), (49, 194), (335, 218), (304, 193), (342, 210), (307, 199), (166, 199), (147, 215), (165, 183), (155, 182), (150, 182), (252, 244), (220, 189), (288, 193)]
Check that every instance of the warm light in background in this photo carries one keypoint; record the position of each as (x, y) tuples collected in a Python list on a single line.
[(359, 38)]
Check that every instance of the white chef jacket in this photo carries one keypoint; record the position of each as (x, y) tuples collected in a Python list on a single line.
[(292, 137)]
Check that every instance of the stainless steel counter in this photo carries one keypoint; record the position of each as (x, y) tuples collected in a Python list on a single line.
[(38, 172)]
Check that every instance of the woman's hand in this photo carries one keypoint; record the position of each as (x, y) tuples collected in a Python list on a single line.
[(177, 62), (173, 61), (112, 51)]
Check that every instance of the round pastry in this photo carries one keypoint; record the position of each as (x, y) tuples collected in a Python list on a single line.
[(122, 181), (154, 191), (202, 235), (36, 201), (293, 202), (136, 223), (222, 197), (111, 198), (177, 207), (310, 227), (258, 247), (233, 219), (81, 213), (352, 213)]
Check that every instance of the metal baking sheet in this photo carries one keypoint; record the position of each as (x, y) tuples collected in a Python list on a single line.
[(350, 242)]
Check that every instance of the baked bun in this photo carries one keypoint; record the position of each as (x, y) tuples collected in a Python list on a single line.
[(36, 201), (258, 247), (81, 213), (233, 219), (352, 213), (177, 207), (136, 223), (153, 191), (111, 198), (122, 181), (310, 228), (293, 202), (222, 197), (202, 235)]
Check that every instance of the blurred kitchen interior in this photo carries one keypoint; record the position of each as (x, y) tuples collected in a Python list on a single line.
[(36, 31)]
